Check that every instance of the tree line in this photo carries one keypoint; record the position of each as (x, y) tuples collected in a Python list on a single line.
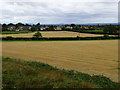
[(106, 29)]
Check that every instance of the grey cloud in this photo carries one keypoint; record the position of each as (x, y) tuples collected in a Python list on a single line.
[(45, 12)]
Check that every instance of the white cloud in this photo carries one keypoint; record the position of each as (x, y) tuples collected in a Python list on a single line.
[(59, 1), (59, 11)]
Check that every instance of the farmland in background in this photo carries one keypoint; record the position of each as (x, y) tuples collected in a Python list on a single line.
[(54, 34)]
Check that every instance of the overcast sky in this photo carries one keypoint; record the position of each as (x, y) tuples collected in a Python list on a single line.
[(59, 11)]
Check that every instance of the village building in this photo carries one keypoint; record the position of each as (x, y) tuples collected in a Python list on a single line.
[(58, 28), (42, 28), (11, 28), (69, 27)]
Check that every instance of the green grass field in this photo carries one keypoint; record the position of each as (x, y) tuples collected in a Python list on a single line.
[(14, 32), (23, 74), (98, 31)]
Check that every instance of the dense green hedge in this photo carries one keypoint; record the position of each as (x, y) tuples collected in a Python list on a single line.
[(63, 38)]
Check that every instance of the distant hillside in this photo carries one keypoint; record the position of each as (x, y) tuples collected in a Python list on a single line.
[(86, 24)]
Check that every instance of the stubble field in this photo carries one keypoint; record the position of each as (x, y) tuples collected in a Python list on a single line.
[(92, 57), (53, 34)]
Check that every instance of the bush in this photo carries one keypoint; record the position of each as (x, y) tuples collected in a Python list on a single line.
[(106, 35), (9, 37), (37, 35)]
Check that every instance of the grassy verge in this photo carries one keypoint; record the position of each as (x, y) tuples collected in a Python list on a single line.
[(23, 74), (14, 32)]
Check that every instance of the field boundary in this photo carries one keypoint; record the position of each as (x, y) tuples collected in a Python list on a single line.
[(58, 38), (51, 40), (90, 32)]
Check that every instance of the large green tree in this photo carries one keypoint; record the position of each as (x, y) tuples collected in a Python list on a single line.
[(33, 28), (19, 24), (4, 27), (38, 26), (51, 27), (112, 29), (10, 24)]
